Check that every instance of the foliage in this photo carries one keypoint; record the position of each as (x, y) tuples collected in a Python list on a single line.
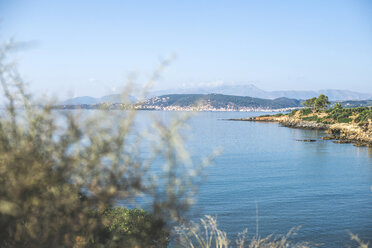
[(342, 115), (344, 120), (309, 103), (131, 227), (310, 118), (278, 115), (364, 115), (293, 112), (56, 167), (321, 102), (338, 114), (306, 111)]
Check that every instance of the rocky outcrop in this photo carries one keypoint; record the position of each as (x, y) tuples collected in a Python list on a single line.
[(359, 134), (298, 123), (307, 140), (258, 118)]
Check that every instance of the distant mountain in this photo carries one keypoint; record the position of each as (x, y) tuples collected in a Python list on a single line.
[(252, 91), (114, 98), (80, 100), (234, 90), (219, 101)]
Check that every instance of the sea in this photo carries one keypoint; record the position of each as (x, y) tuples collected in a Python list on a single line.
[(267, 181)]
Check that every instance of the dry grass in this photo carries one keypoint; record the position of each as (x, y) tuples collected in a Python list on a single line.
[(208, 235)]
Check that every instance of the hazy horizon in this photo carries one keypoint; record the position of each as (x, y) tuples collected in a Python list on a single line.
[(90, 47)]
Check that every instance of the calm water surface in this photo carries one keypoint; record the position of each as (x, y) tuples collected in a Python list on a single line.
[(323, 187)]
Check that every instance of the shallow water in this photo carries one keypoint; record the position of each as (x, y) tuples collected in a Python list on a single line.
[(265, 178)]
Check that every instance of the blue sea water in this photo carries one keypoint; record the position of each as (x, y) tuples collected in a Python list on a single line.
[(265, 178)]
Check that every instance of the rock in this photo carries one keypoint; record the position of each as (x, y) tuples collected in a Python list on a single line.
[(360, 144), (342, 141), (348, 132), (307, 140), (329, 137), (298, 123)]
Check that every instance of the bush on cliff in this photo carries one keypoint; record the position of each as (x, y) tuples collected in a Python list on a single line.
[(364, 115), (310, 118), (344, 120), (306, 111), (293, 112)]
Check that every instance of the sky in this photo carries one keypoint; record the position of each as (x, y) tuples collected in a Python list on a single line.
[(78, 48)]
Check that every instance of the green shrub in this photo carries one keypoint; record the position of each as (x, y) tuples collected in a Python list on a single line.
[(130, 227), (310, 118), (305, 111), (329, 110), (364, 116), (293, 112), (344, 120)]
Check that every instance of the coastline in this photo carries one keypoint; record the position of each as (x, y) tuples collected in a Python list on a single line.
[(359, 135), (204, 108)]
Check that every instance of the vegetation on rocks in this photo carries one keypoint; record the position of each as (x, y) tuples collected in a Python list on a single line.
[(347, 125), (337, 114)]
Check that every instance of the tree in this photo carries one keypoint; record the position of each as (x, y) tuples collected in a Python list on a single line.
[(61, 173), (321, 102), (310, 103)]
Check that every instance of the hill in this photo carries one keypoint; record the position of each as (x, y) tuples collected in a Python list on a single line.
[(218, 101), (88, 100), (80, 100)]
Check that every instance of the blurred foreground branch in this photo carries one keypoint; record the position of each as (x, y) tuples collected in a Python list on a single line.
[(62, 174)]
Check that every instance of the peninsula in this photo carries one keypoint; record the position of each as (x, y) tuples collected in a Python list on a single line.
[(344, 125)]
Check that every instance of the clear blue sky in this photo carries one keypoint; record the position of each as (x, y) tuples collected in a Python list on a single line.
[(89, 47)]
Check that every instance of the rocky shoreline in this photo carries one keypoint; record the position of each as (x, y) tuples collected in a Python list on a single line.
[(358, 134)]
